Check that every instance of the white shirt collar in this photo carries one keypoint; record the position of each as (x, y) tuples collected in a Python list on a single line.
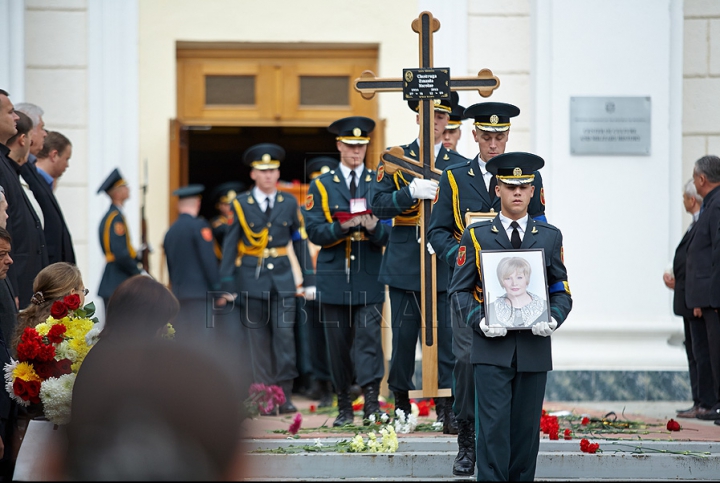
[(696, 215), (507, 221), (437, 146), (260, 196), (345, 171)]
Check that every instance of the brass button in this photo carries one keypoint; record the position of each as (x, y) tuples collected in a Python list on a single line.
[(352, 257), (269, 225), (270, 238), (252, 224), (270, 266), (284, 223)]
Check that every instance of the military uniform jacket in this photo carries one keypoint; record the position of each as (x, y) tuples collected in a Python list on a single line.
[(220, 226), (534, 353), (255, 245), (57, 235), (120, 256), (357, 251), (392, 199), (191, 259), (28, 252), (462, 190)]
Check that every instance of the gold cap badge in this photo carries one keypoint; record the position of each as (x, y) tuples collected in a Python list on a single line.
[(437, 102), (517, 172), (494, 119), (357, 132), (266, 157)]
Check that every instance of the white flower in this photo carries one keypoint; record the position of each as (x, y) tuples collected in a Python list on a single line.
[(384, 418), (318, 444), (56, 396), (9, 368), (400, 415), (63, 351), (372, 418), (437, 425), (93, 335)]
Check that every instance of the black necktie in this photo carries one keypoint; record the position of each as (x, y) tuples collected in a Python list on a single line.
[(515, 237), (268, 208), (352, 184), (493, 184)]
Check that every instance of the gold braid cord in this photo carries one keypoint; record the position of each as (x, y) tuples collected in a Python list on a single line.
[(257, 242), (478, 294), (412, 214), (459, 223)]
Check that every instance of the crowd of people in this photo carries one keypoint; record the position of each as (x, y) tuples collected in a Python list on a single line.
[(236, 298)]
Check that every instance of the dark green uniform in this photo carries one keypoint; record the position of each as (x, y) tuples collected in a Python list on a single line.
[(348, 290), (400, 270), (120, 256), (510, 372)]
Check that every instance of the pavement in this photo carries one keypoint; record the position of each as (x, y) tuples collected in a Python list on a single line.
[(652, 415)]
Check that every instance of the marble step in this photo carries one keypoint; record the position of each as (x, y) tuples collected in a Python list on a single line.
[(431, 458)]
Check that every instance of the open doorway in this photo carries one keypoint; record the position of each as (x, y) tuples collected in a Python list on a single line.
[(215, 154)]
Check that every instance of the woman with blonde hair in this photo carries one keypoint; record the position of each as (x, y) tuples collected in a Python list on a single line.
[(52, 283)]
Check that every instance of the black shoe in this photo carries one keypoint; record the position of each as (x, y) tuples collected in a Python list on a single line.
[(287, 406), (464, 464), (450, 424), (345, 410), (688, 409), (372, 406), (713, 414), (440, 409), (355, 392), (402, 401), (717, 421)]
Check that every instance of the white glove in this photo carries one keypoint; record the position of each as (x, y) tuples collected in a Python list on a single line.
[(431, 250), (423, 189), (543, 329), (492, 331), (310, 292), (145, 274)]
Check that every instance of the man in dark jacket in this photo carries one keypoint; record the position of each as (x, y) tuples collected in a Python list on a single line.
[(51, 163)]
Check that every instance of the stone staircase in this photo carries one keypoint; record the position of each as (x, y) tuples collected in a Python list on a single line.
[(432, 458)]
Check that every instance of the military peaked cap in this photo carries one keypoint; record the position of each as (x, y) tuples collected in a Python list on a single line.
[(353, 129), (492, 116), (114, 180), (264, 156), (515, 168)]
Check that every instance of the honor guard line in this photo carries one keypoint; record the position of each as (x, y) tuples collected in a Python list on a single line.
[(367, 85)]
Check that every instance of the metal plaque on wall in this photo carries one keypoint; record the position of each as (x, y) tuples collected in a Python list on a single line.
[(610, 125)]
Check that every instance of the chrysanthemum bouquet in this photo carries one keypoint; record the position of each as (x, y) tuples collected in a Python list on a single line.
[(49, 356)]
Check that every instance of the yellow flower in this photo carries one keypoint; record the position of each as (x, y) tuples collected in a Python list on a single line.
[(26, 372), (43, 328), (169, 332), (357, 444)]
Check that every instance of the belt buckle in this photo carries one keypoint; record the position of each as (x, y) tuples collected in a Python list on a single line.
[(356, 236), (271, 252)]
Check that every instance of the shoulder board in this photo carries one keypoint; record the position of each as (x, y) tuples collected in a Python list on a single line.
[(461, 164)]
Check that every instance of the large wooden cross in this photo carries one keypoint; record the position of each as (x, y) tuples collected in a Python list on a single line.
[(368, 85)]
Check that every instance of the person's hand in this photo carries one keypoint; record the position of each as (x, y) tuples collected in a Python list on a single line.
[(431, 250), (369, 222), (544, 329), (697, 312), (310, 292), (423, 189), (352, 222), (492, 331), (669, 281)]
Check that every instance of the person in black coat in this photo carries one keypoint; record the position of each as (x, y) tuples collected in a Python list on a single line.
[(29, 253), (51, 163), (510, 367), (696, 343), (192, 266), (8, 316)]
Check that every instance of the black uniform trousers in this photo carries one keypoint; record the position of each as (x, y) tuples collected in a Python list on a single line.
[(712, 334), (354, 343), (269, 324), (319, 361), (508, 423), (463, 378), (698, 354), (406, 326), (193, 322)]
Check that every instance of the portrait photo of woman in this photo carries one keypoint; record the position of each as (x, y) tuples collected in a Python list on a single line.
[(519, 299)]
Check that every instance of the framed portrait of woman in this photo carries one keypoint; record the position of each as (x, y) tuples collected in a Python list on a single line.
[(515, 288)]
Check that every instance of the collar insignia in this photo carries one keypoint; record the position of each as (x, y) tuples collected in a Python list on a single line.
[(471, 172)]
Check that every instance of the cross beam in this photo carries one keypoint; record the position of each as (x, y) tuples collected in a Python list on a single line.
[(368, 85)]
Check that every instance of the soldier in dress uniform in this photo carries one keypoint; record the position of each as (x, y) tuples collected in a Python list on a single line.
[(452, 133), (192, 265), (322, 388), (338, 217), (469, 187), (256, 267), (223, 196), (510, 367), (122, 259), (398, 196)]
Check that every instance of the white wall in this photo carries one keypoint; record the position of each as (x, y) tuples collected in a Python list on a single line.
[(620, 215)]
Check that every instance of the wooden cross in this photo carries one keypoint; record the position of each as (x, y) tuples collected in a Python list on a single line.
[(367, 84)]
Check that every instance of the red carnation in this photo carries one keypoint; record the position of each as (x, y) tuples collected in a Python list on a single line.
[(55, 335), (567, 434), (30, 334), (33, 391), (673, 425), (554, 435), (549, 424), (588, 447), (585, 421), (27, 351), (295, 425), (313, 408), (46, 352), (63, 366), (58, 310), (72, 302)]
